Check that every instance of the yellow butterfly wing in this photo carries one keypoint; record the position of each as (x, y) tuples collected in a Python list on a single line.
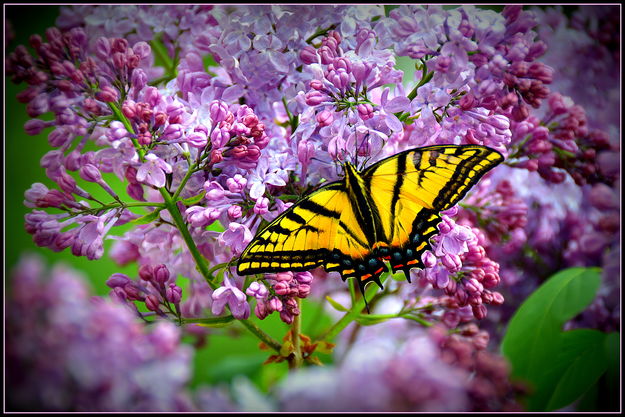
[(409, 189), (306, 235)]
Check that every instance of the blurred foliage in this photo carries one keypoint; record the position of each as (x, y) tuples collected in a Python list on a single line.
[(560, 366)]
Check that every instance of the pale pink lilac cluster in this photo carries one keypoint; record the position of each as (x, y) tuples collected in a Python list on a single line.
[(250, 106), (70, 351)]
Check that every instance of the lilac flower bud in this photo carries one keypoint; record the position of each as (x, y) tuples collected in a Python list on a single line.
[(90, 173), (339, 77), (317, 85), (253, 152), (325, 118), (132, 292), (108, 94), (360, 71), (135, 191), (161, 274), (286, 316), (303, 290), (152, 302), (257, 290), (35, 126), (172, 132), (498, 299), (308, 55), (282, 288), (262, 206), (65, 181), (142, 49), (197, 139), (117, 130), (261, 310), (304, 277), (284, 276), (235, 212), (173, 294), (452, 262), (146, 272), (220, 137), (274, 304), (218, 111), (365, 111), (479, 311), (214, 191), (428, 259), (117, 280), (237, 183), (314, 98), (138, 79)]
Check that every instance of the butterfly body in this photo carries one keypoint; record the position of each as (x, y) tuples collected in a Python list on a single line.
[(384, 214)]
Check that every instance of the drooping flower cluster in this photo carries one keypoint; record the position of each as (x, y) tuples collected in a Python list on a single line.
[(67, 350)]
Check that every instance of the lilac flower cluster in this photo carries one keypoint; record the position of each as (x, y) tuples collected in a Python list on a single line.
[(67, 350), (393, 367)]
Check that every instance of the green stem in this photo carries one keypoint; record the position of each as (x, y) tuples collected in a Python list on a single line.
[(296, 360), (208, 320), (349, 316), (120, 116)]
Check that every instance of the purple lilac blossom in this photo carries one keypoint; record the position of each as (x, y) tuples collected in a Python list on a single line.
[(67, 350)]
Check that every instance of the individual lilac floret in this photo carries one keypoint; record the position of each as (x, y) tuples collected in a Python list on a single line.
[(233, 297)]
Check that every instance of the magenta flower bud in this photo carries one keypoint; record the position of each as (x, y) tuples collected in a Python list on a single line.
[(117, 280), (218, 111), (160, 119), (132, 292), (314, 98), (119, 294), (173, 294), (360, 71), (197, 139), (428, 259), (274, 304), (365, 111), (35, 126), (257, 290), (473, 286), (325, 118), (237, 183), (146, 272), (451, 319), (65, 181), (342, 63), (479, 311), (152, 303), (172, 132), (261, 310), (138, 79), (304, 277), (284, 276), (286, 316), (132, 60), (326, 54), (108, 94), (216, 156), (220, 137), (117, 130), (262, 206), (90, 173), (282, 288), (161, 273), (135, 191), (214, 191), (308, 55), (452, 262), (317, 85), (303, 290), (119, 45), (253, 152), (235, 212)]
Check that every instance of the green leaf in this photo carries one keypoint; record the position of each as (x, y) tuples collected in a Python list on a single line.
[(371, 319), (576, 368), (148, 218), (337, 306), (535, 345), (193, 200)]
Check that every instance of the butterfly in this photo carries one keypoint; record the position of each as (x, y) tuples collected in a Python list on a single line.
[(384, 214)]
